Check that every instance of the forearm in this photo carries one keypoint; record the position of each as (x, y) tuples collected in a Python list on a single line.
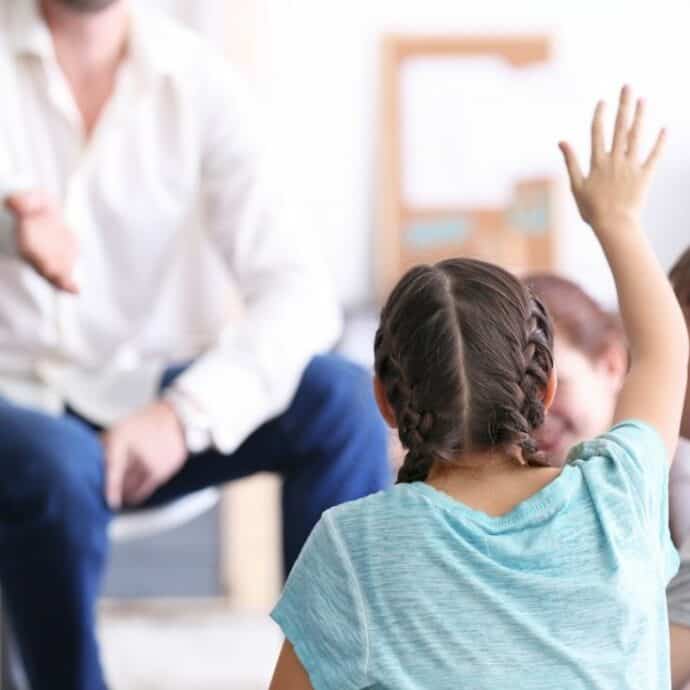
[(653, 321), (654, 388), (252, 373)]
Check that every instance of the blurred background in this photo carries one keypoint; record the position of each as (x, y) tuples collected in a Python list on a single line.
[(398, 131)]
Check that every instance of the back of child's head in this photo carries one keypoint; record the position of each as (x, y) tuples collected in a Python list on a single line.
[(464, 355), (680, 278), (577, 317)]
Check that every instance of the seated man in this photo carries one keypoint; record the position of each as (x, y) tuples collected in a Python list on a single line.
[(122, 382)]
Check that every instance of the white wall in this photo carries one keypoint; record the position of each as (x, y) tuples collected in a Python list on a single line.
[(319, 68)]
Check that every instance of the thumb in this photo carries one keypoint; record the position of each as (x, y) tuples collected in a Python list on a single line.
[(26, 203), (115, 467), (571, 163)]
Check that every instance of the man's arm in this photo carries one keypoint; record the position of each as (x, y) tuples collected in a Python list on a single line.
[(290, 313)]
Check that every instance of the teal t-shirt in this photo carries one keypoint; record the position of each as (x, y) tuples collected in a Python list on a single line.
[(410, 589)]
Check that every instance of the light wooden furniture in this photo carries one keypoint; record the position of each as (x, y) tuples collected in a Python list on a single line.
[(250, 516), (519, 235)]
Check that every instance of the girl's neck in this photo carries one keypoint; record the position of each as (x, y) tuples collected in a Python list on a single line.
[(478, 465), (491, 482)]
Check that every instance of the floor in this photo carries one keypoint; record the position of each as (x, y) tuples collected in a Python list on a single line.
[(174, 647)]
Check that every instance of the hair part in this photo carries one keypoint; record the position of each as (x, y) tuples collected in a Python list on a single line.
[(464, 352)]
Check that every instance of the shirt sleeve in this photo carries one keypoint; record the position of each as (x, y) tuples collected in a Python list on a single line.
[(289, 311), (635, 471), (8, 245), (322, 614)]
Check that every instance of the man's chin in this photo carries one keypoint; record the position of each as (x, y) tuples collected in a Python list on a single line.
[(88, 6)]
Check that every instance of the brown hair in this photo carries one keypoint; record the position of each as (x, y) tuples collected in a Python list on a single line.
[(464, 352), (583, 321), (680, 278)]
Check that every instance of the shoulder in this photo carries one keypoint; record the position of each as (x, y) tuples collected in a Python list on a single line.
[(382, 503), (631, 440), (629, 465), (383, 517), (185, 54)]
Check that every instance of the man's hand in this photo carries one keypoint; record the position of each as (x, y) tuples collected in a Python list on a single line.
[(43, 239), (141, 453)]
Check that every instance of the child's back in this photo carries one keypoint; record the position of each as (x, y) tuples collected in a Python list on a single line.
[(412, 589), (486, 569)]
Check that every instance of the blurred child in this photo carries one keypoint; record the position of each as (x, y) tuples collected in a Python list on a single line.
[(680, 279), (679, 589), (484, 567), (591, 360)]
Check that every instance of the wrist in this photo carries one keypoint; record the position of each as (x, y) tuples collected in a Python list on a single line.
[(193, 422), (615, 222)]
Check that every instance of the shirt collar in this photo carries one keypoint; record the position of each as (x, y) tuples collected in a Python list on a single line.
[(30, 35), (147, 48)]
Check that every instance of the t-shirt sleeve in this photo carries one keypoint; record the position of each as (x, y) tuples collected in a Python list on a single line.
[(634, 468), (321, 612)]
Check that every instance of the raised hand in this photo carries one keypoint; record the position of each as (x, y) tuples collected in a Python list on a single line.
[(615, 189), (610, 199), (43, 239)]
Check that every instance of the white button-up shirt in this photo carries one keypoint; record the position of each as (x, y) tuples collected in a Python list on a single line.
[(168, 202)]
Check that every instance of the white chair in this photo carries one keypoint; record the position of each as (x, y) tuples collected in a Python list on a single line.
[(148, 523), (126, 527)]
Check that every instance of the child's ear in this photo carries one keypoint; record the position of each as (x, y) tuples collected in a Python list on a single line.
[(384, 406), (550, 390)]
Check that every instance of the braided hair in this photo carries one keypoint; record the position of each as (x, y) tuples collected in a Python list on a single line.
[(464, 353), (583, 322)]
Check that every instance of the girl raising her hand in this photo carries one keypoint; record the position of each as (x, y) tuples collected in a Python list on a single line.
[(485, 568)]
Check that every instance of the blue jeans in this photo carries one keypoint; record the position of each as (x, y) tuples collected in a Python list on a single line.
[(329, 447)]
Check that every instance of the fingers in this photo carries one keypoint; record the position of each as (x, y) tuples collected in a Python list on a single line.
[(139, 484), (142, 491), (571, 163), (134, 476), (115, 469), (636, 129), (598, 149), (50, 249), (56, 271), (620, 132), (64, 283), (656, 152), (26, 203)]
